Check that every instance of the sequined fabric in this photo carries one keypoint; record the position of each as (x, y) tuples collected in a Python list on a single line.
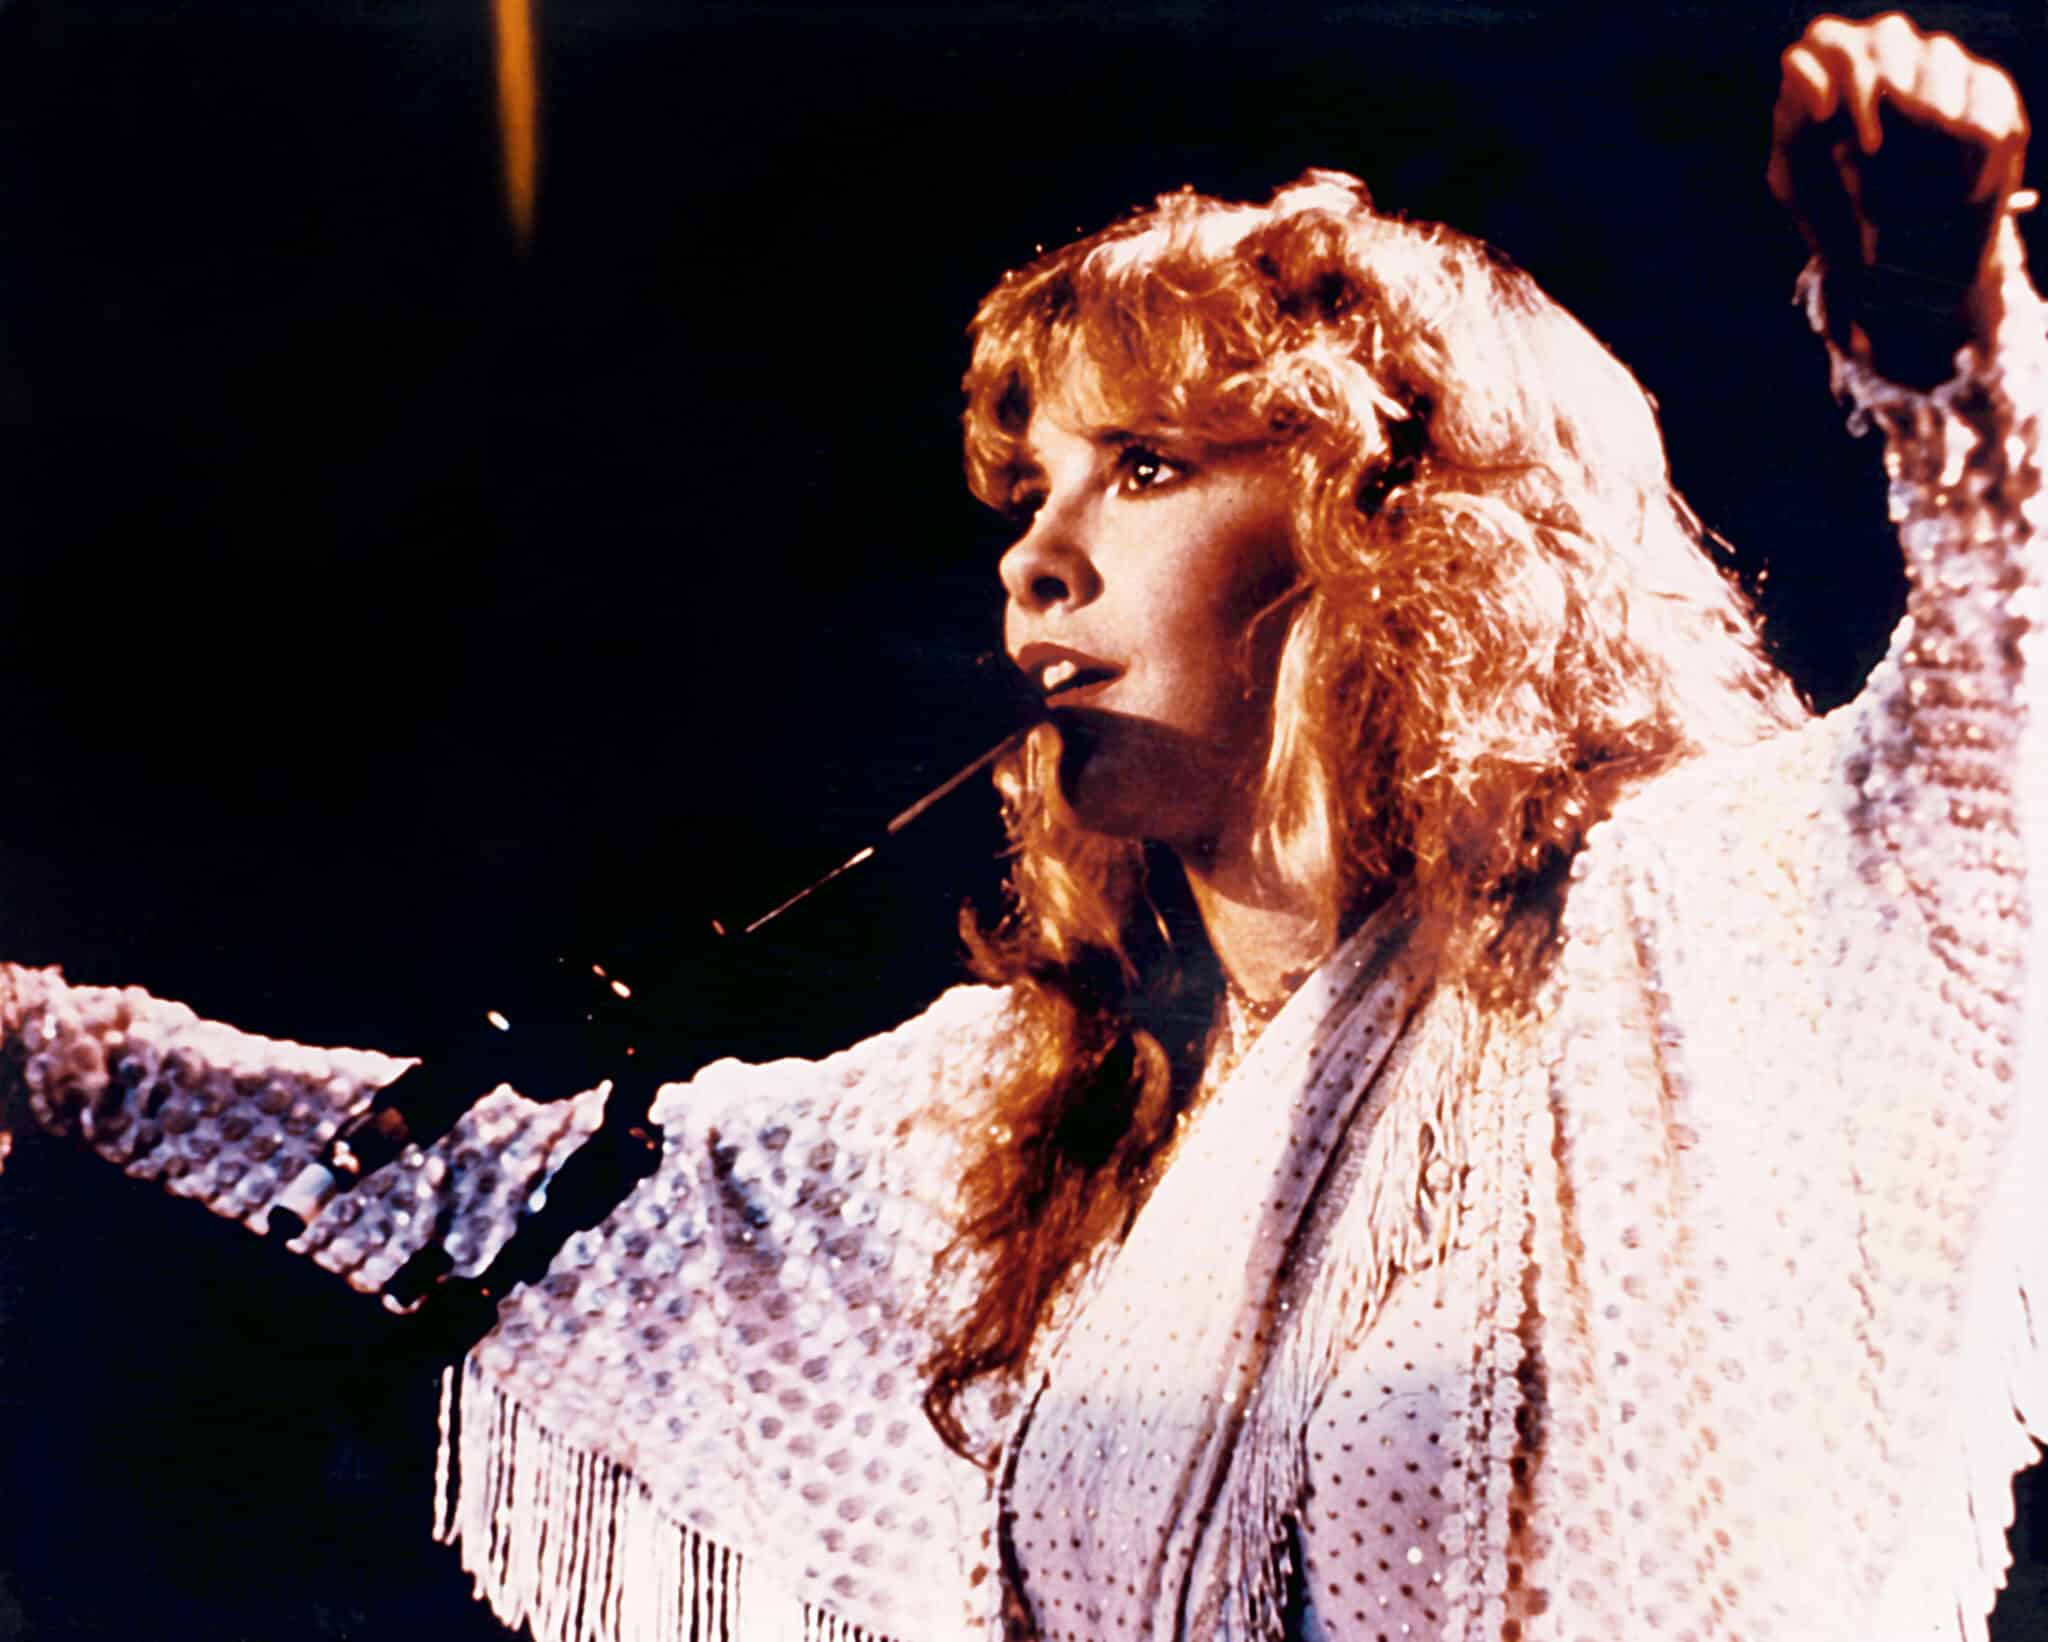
[(1380, 1468), (240, 1123), (1156, 1471)]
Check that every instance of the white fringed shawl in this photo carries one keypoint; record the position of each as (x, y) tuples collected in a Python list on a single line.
[(1755, 1217)]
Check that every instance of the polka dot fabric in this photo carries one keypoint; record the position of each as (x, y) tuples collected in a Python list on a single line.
[(220, 1116), (240, 1123), (1380, 1482)]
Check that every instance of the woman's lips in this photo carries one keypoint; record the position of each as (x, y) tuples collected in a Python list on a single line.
[(1067, 678), (1071, 681), (1082, 688)]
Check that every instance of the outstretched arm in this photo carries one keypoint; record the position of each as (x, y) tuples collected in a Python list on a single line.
[(241, 1123)]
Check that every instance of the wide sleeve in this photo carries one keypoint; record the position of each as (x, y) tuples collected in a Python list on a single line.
[(1789, 1245), (240, 1124), (707, 1418), (1942, 753)]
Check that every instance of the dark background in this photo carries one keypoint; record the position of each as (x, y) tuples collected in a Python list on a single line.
[(386, 615)]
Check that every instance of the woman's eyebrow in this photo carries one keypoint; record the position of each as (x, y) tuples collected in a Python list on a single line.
[(1029, 459), (1166, 440)]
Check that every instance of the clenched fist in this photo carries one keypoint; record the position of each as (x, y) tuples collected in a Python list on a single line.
[(1899, 155)]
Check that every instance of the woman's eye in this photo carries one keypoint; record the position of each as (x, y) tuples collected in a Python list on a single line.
[(1141, 469)]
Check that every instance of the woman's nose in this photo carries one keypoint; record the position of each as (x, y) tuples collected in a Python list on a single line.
[(1047, 566)]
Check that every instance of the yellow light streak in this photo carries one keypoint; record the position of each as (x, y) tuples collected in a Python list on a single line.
[(518, 109)]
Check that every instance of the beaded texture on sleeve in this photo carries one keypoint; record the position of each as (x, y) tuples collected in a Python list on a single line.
[(233, 1120), (220, 1116), (468, 1190)]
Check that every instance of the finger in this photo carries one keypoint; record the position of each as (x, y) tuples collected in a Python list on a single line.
[(1889, 64), (1812, 168), (1844, 52), (1894, 45), (1806, 95), (1941, 81), (1806, 92), (1994, 109), (1806, 98), (2004, 166)]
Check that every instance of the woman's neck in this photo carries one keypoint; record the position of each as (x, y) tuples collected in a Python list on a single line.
[(1265, 937)]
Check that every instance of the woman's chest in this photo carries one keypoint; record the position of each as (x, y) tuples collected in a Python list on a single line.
[(1104, 1506)]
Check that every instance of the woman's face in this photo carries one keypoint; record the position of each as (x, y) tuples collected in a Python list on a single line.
[(1131, 594)]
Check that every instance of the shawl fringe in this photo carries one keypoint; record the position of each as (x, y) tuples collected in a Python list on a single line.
[(1390, 1206), (572, 1545)]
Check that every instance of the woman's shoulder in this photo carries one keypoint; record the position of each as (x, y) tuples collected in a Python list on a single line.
[(1782, 821), (1732, 797), (929, 1072), (1743, 875), (1741, 929), (870, 1137)]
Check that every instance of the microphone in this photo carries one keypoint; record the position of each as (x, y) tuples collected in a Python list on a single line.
[(619, 1035), (581, 1019)]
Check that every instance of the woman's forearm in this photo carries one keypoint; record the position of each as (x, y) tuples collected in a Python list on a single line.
[(243, 1123), (218, 1115), (1943, 736)]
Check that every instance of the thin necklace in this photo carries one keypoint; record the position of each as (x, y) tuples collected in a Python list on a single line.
[(1248, 1016), (1244, 1017)]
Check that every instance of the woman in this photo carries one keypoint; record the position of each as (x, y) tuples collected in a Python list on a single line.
[(1587, 1194)]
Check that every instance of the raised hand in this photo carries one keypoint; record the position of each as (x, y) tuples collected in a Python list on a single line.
[(1899, 155)]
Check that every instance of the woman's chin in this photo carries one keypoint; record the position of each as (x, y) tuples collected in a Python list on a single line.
[(1130, 778)]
